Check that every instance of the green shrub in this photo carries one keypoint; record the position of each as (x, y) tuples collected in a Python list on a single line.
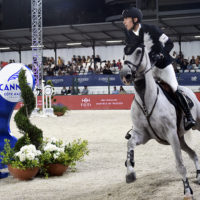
[(22, 116), (60, 108), (27, 157), (55, 151)]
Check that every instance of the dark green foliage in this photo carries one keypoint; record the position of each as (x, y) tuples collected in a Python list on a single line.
[(60, 108), (22, 116)]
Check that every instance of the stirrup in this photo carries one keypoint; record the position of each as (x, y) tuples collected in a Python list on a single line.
[(189, 123)]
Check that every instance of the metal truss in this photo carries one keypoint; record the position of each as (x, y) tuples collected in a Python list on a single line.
[(37, 42)]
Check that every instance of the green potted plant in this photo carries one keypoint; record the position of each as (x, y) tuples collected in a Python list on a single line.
[(59, 109), (57, 156), (23, 164), (29, 143)]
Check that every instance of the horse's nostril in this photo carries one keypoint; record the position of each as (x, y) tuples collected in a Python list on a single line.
[(128, 76)]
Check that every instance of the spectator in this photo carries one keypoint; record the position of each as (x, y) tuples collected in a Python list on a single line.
[(197, 61), (115, 91), (97, 59), (64, 91), (122, 90), (83, 59), (75, 90), (85, 90), (114, 64), (69, 91), (50, 72), (183, 64), (107, 70), (191, 65), (119, 64), (60, 61)]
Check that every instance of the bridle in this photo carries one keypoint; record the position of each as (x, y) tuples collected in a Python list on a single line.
[(131, 65)]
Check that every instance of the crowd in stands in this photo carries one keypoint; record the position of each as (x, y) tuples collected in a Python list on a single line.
[(182, 64), (94, 65), (3, 63), (81, 65)]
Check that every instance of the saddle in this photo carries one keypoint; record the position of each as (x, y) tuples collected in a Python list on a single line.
[(173, 100), (170, 95)]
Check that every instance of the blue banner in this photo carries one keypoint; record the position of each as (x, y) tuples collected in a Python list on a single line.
[(190, 79), (82, 80)]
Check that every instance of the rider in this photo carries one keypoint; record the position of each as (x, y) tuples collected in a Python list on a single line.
[(158, 46)]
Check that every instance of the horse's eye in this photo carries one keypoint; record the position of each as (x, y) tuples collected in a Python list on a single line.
[(139, 51)]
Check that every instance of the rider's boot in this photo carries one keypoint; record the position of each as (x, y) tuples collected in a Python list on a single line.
[(189, 122)]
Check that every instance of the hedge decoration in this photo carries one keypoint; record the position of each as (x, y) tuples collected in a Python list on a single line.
[(22, 116)]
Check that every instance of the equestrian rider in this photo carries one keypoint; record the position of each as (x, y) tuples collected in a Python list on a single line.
[(158, 46)]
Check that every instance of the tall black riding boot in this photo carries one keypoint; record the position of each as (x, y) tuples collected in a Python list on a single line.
[(189, 122)]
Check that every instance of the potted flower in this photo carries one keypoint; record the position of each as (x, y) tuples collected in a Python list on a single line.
[(23, 164), (57, 156), (59, 109)]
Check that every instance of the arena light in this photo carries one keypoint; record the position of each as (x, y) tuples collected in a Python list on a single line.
[(4, 48), (114, 41), (37, 46), (74, 44), (197, 36)]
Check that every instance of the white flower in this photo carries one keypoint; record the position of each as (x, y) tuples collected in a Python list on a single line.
[(52, 140), (27, 152), (56, 155), (50, 147), (22, 157), (30, 156)]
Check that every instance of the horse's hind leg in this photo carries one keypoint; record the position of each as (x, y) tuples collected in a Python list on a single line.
[(176, 147), (135, 139), (192, 155)]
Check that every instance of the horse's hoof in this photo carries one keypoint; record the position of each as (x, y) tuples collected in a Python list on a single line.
[(130, 177), (188, 198)]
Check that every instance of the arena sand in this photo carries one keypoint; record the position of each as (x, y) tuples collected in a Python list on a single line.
[(102, 175)]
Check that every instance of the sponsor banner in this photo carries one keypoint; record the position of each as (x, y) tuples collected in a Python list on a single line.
[(189, 78), (82, 80), (9, 85), (95, 102)]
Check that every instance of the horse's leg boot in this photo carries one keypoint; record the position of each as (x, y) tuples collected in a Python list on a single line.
[(189, 122)]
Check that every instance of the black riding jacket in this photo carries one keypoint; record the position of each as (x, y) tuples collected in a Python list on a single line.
[(156, 43)]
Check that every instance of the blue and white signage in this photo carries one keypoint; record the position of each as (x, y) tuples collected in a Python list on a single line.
[(10, 95), (9, 85)]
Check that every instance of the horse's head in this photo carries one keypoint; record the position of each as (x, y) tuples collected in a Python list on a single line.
[(135, 63)]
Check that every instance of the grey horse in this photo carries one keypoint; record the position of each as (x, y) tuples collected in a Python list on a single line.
[(154, 117)]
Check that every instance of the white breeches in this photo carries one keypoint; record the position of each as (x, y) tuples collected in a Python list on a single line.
[(167, 75)]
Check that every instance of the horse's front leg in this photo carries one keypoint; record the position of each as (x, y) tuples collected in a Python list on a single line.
[(134, 138)]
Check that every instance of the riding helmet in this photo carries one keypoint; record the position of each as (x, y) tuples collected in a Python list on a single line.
[(133, 12)]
